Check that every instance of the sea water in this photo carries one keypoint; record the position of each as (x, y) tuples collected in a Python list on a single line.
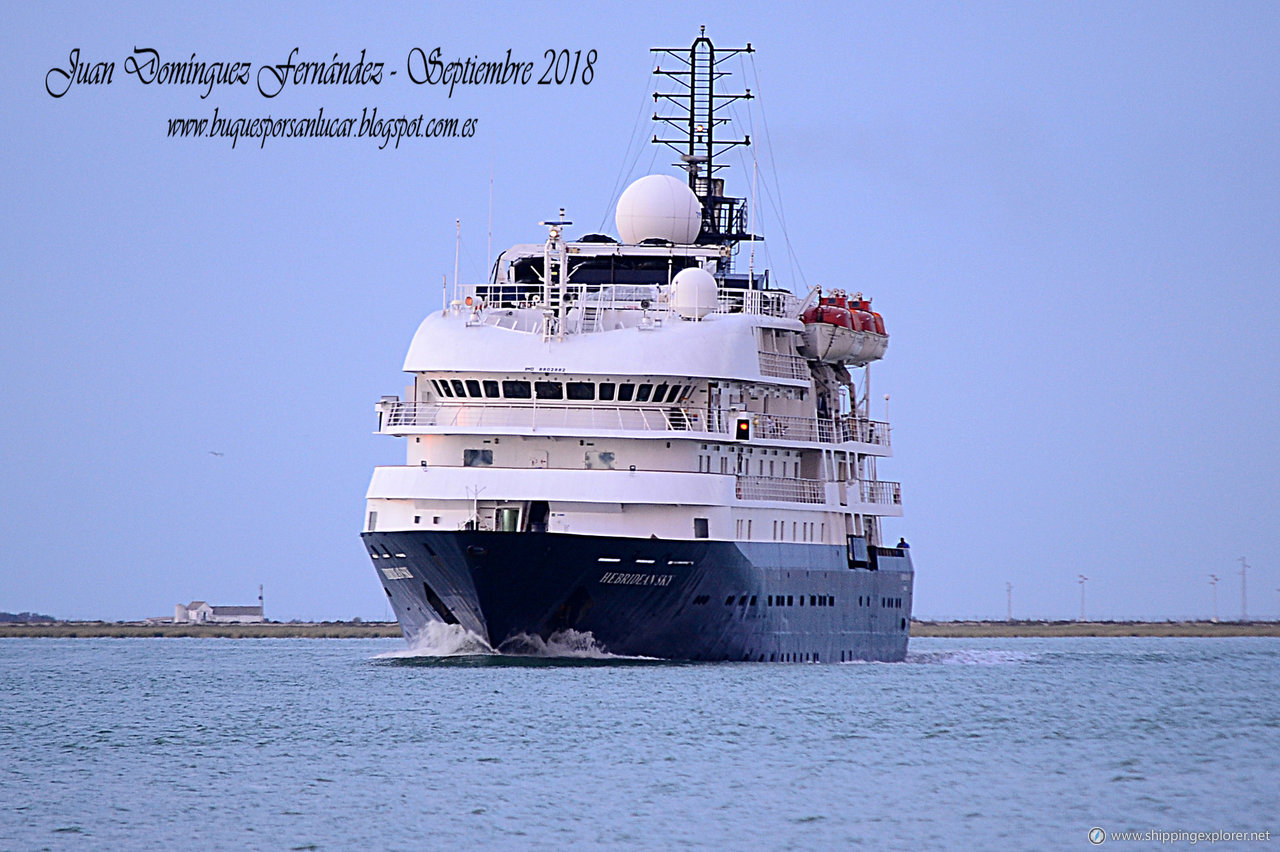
[(344, 744)]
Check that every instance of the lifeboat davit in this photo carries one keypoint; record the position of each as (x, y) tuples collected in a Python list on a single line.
[(843, 330)]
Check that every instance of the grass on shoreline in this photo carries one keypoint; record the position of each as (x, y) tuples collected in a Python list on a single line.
[(1050, 629), (126, 630), (384, 630)]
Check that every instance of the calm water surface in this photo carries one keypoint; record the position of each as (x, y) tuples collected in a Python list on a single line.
[(325, 744)]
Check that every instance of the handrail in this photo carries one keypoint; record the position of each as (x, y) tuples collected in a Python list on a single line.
[(780, 489), (783, 366), (780, 427)]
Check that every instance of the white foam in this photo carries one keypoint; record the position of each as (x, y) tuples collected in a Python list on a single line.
[(564, 643), (438, 639)]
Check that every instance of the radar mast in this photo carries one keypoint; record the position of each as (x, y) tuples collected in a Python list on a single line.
[(698, 112)]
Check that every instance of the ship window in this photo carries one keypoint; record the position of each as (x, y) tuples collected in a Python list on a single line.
[(473, 388), (516, 390), (477, 458), (435, 519), (831, 601), (675, 393), (580, 390), (458, 389), (548, 390), (700, 528), (728, 600), (753, 600), (742, 601), (436, 385), (801, 600), (660, 392), (606, 391), (491, 388), (417, 519), (789, 601), (642, 394), (625, 391), (444, 388), (770, 599)]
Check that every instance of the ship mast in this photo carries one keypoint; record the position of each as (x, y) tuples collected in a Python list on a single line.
[(699, 109)]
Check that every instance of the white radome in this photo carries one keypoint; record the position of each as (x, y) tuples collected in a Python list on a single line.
[(659, 207), (693, 293)]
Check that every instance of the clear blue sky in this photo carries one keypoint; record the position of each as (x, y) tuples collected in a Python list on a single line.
[(1069, 214)]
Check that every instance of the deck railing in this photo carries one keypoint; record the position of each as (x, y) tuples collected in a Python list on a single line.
[(880, 492), (782, 366), (401, 415), (780, 489)]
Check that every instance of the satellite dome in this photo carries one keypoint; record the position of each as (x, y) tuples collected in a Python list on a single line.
[(659, 207), (693, 293)]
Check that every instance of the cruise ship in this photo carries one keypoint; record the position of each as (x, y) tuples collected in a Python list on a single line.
[(636, 440)]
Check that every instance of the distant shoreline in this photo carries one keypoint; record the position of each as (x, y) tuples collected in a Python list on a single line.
[(1051, 629), (269, 630), (391, 630)]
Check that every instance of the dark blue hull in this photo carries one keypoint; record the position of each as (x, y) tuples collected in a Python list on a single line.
[(680, 600)]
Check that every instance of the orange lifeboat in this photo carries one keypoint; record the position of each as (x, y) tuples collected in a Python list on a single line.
[(871, 321), (841, 329), (828, 313)]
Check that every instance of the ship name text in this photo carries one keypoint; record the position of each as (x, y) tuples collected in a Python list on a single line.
[(615, 578)]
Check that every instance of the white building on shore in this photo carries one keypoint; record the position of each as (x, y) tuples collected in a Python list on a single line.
[(200, 612)]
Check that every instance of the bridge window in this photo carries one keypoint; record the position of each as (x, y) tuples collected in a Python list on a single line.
[(606, 391), (491, 388), (625, 391), (444, 388), (660, 392), (516, 390), (548, 390), (581, 390), (642, 393), (700, 528), (473, 388), (458, 389)]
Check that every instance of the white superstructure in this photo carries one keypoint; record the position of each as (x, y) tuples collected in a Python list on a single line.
[(627, 412)]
